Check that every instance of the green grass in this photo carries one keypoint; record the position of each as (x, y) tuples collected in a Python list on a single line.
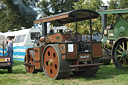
[(106, 75)]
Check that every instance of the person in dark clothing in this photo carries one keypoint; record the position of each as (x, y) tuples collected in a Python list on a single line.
[(10, 49)]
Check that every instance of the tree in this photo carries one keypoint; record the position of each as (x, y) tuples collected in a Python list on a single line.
[(95, 5), (113, 4), (2, 18), (15, 14), (84, 26), (116, 4), (123, 3), (53, 7)]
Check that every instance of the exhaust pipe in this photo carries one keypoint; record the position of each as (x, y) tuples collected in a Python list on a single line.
[(104, 19)]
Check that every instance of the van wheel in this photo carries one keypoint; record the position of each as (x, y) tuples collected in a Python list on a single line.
[(9, 69)]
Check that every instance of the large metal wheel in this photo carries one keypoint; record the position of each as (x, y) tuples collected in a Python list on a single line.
[(53, 65), (89, 71), (120, 54), (30, 65)]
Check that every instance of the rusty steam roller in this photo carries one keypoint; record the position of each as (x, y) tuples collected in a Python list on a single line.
[(64, 52)]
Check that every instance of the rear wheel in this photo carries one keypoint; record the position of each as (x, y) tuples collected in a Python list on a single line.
[(54, 66), (120, 54), (30, 65), (89, 71)]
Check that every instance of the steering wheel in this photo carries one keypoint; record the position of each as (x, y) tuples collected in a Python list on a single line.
[(67, 31)]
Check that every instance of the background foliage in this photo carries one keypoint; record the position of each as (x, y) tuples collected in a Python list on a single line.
[(116, 4), (21, 13), (84, 26), (15, 14), (52, 7)]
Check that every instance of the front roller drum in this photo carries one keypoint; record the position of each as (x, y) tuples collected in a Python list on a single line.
[(30, 65), (120, 54), (53, 65)]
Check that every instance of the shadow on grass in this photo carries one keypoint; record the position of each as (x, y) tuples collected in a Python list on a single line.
[(104, 72)]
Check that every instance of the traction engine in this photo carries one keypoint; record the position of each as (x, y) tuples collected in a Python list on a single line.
[(115, 40), (61, 53)]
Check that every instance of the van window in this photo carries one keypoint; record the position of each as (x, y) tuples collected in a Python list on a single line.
[(34, 35), (20, 38), (11, 37)]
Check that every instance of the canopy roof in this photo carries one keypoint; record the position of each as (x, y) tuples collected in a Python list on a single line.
[(68, 17), (114, 11)]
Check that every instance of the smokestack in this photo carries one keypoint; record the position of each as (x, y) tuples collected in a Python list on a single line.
[(44, 28), (104, 19)]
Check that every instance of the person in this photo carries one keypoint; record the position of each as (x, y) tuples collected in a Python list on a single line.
[(9, 48)]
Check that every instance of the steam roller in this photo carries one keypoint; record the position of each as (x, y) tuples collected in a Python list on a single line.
[(62, 52)]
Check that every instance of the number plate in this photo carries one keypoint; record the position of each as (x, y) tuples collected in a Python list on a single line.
[(2, 59), (84, 56)]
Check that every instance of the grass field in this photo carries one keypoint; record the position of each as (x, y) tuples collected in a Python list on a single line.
[(106, 75)]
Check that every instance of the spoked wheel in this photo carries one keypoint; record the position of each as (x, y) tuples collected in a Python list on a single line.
[(120, 54), (54, 66), (89, 71), (30, 65)]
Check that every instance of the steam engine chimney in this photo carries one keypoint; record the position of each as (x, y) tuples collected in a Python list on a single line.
[(104, 19)]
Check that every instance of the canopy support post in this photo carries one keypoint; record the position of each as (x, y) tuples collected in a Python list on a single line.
[(76, 26), (44, 29), (90, 19)]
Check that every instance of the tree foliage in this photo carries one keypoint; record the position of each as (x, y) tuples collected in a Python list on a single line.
[(15, 14), (52, 7), (123, 3), (116, 4), (20, 13), (84, 26), (113, 4)]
